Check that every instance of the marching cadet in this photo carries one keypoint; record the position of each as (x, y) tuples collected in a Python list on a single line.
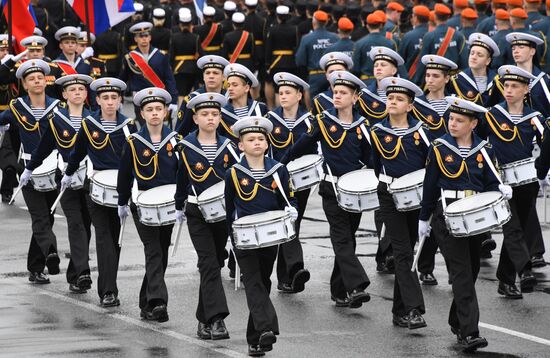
[(212, 67), (69, 61), (281, 43), (290, 121), (61, 135), (229, 8), (160, 34), (511, 127), (146, 66), (148, 158), (443, 41), (311, 49), (101, 137), (362, 54), (265, 176), (344, 44), (107, 47), (457, 168), (184, 51), (345, 147), (256, 26), (474, 82), (458, 7), (468, 20), (410, 45), (487, 26), (239, 80), (330, 62), (210, 34), (393, 13), (400, 147), (502, 28), (205, 157), (127, 36), (238, 45), (30, 115), (84, 50)]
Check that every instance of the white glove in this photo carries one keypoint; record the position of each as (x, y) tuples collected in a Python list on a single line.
[(66, 181), (180, 217), (292, 211), (18, 58), (506, 191), (173, 108), (25, 177), (4, 129), (6, 58), (543, 183), (123, 211), (424, 228), (88, 52)]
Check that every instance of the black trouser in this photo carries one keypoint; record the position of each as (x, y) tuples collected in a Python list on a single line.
[(8, 165), (156, 241), (462, 257), (75, 209), (256, 266), (348, 273), (514, 255), (43, 240), (402, 230), (209, 240), (426, 261), (107, 228), (291, 256), (384, 249), (533, 234)]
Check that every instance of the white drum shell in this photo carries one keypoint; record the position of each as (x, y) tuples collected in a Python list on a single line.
[(157, 207), (79, 177), (479, 220), (103, 188), (359, 196), (306, 171), (519, 173), (263, 230), (43, 177), (211, 203), (407, 191)]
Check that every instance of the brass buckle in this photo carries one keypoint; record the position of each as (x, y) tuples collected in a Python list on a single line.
[(468, 193)]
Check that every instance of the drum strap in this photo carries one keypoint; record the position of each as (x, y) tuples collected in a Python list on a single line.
[(258, 110), (126, 131), (280, 186), (490, 164), (537, 124), (424, 137), (332, 179), (174, 143), (443, 202), (233, 153), (365, 132), (308, 124)]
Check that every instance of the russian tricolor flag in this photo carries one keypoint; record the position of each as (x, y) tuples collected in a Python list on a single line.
[(103, 13), (23, 20)]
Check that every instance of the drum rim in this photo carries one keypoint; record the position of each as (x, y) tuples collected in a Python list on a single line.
[(492, 204), (284, 217), (397, 180), (318, 160), (157, 188), (206, 191), (355, 172), (517, 163)]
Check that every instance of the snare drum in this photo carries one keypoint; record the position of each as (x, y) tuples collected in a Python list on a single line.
[(156, 206), (43, 177), (211, 203), (357, 191), (519, 172), (477, 214), (103, 188), (262, 230), (306, 171), (407, 190), (79, 176)]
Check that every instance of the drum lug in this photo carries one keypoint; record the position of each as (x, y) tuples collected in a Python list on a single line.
[(256, 235), (465, 224)]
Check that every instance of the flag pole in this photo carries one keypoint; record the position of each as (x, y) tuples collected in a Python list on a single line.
[(87, 12), (10, 30)]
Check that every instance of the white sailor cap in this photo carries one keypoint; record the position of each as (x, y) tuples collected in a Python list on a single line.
[(514, 73), (143, 27), (209, 11), (400, 85), (482, 40), (159, 13), (212, 61), (207, 100), (251, 3), (4, 40), (288, 79), (238, 17), (462, 106), (138, 7), (521, 38), (282, 10), (152, 94), (76, 79), (37, 31), (229, 6), (334, 58), (346, 78), (34, 42), (438, 63), (252, 125), (383, 53), (108, 84), (82, 37), (31, 66), (67, 33), (236, 69), (185, 15)]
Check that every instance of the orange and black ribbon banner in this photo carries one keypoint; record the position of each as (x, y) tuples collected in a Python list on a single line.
[(147, 71)]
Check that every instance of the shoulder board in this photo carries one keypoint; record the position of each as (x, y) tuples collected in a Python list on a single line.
[(488, 145), (62, 105), (436, 143), (86, 62), (98, 60), (53, 64)]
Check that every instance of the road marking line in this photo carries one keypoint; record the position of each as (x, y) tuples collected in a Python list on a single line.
[(181, 337), (515, 333)]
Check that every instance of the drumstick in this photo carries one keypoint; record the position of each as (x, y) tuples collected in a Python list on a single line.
[(176, 242), (57, 200), (420, 246), (15, 194), (122, 224)]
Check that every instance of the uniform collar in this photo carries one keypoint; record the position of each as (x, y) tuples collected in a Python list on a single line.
[(270, 166), (143, 136), (450, 142)]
